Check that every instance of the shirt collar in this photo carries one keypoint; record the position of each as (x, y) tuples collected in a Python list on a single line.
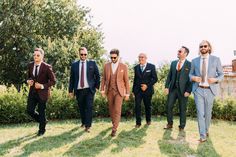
[(206, 57)]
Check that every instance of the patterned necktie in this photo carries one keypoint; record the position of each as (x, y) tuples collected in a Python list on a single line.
[(36, 71), (82, 76), (179, 65), (203, 69)]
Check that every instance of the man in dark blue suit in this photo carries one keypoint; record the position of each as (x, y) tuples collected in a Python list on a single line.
[(145, 77), (84, 80)]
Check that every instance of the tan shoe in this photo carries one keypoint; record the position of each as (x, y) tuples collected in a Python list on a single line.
[(168, 126)]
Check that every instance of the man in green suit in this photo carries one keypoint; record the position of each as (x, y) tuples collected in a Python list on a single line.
[(178, 86)]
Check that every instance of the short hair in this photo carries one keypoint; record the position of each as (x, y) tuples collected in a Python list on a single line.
[(83, 48), (186, 49), (40, 50), (208, 43), (114, 51)]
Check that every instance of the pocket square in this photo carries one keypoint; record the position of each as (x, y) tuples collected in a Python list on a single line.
[(148, 71), (187, 69)]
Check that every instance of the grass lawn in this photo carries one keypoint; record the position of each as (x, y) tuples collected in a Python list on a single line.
[(66, 138)]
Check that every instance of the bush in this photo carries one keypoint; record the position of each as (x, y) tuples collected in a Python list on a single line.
[(60, 106)]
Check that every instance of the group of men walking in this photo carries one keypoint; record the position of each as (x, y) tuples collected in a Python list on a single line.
[(200, 77)]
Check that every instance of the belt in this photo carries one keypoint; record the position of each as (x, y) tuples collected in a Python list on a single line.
[(205, 87)]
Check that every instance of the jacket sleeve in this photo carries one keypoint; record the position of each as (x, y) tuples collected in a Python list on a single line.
[(135, 80), (154, 76), (103, 78), (96, 76), (71, 81), (219, 71), (51, 79), (167, 84)]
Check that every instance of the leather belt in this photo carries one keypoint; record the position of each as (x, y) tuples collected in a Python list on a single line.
[(205, 87)]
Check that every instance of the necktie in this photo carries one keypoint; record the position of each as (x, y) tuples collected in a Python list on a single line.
[(179, 66), (203, 69), (142, 67), (36, 71), (82, 76)]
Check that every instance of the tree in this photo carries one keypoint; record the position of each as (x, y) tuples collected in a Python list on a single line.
[(59, 27)]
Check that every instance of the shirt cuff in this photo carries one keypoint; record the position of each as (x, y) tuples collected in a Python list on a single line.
[(42, 87)]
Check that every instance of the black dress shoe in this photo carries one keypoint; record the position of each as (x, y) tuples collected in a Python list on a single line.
[(41, 133), (82, 125), (87, 129)]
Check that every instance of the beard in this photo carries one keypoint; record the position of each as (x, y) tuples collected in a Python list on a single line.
[(204, 51)]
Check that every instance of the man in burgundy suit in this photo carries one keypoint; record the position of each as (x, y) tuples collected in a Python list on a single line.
[(40, 79)]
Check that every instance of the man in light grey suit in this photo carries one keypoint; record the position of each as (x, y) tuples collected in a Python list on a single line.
[(206, 71)]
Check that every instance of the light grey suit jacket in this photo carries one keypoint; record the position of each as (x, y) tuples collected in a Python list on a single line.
[(215, 70)]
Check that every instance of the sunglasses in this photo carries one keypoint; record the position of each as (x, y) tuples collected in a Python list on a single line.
[(141, 57), (83, 54), (37, 55), (205, 46), (113, 57)]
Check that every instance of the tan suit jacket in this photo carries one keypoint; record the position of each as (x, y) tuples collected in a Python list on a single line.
[(122, 79)]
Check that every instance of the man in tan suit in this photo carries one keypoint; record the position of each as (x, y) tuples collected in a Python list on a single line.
[(115, 85)]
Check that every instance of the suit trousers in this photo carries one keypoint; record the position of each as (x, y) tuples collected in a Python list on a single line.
[(115, 101), (85, 103), (147, 103), (204, 99), (182, 101), (39, 115)]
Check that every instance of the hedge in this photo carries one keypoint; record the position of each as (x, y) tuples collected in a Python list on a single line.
[(60, 106)]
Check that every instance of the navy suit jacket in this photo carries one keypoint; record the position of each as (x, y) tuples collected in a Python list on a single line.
[(148, 77), (92, 72)]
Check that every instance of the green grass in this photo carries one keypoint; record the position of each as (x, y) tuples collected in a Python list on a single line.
[(66, 138)]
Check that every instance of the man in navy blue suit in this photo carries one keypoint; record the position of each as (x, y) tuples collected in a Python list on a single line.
[(84, 80), (145, 77)]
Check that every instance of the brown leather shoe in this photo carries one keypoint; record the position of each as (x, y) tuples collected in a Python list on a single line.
[(168, 126), (207, 134), (148, 123), (201, 140), (87, 129), (181, 129), (113, 133), (137, 125)]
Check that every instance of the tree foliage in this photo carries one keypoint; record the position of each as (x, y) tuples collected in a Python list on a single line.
[(59, 27)]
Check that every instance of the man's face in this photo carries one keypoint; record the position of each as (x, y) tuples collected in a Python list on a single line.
[(181, 53), (114, 58), (83, 55), (142, 58), (38, 57), (204, 48)]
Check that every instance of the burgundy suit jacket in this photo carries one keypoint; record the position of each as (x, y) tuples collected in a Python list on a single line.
[(45, 76)]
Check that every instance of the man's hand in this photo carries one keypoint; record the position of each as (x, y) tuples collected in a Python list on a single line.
[(103, 94), (186, 94), (37, 85), (196, 79), (166, 91), (212, 80), (126, 98), (143, 87), (30, 82), (71, 95)]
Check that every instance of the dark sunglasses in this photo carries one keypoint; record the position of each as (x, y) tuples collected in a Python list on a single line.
[(113, 57), (83, 54), (205, 46), (141, 57)]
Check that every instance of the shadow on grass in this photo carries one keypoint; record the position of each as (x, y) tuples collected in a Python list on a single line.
[(51, 142), (132, 138), (14, 143), (91, 147), (103, 140), (180, 147)]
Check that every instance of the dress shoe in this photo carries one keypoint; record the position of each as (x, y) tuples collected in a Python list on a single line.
[(207, 134), (87, 129), (137, 125), (148, 123), (113, 133), (181, 129), (40, 133), (201, 140), (168, 126)]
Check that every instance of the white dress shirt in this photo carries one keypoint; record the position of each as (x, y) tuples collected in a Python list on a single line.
[(114, 67)]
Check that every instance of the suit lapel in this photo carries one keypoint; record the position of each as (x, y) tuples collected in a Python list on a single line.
[(41, 69), (138, 68), (77, 69), (174, 67), (199, 65), (109, 71), (118, 70), (87, 68)]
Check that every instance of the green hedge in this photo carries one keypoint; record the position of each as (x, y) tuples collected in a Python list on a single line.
[(60, 106)]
